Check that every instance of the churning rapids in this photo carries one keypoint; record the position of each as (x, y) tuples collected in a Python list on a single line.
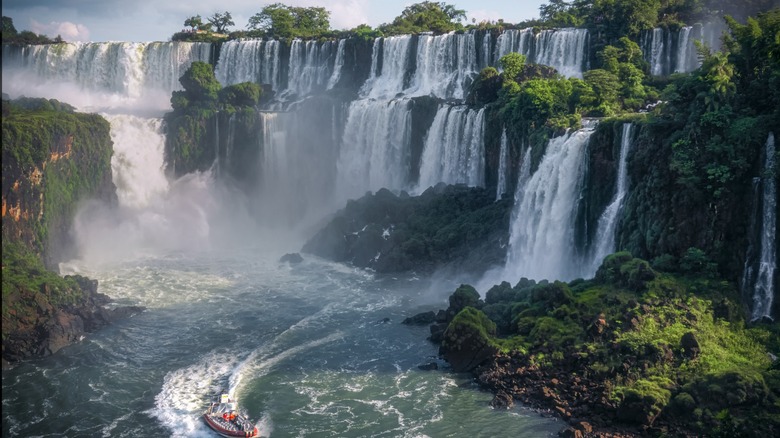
[(309, 350), (314, 349)]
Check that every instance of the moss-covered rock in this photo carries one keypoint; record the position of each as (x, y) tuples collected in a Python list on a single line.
[(468, 341)]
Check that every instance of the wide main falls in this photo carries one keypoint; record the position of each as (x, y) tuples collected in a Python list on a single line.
[(310, 350)]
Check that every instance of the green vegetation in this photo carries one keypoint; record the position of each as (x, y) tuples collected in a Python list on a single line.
[(191, 126), (24, 273), (54, 158), (427, 16), (668, 348), (11, 36), (281, 21)]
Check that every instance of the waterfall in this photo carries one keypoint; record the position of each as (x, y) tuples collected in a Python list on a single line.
[(137, 163), (515, 40), (445, 65), (215, 165), (102, 74), (249, 61), (454, 148), (387, 81), (655, 49), (604, 243), (376, 148), (759, 278), (667, 52), (502, 167), (564, 49), (310, 66), (541, 244), (484, 56), (686, 52), (337, 66)]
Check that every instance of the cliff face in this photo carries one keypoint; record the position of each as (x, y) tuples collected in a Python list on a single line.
[(53, 159)]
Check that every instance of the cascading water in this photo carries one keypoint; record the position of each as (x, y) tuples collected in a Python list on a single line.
[(445, 65), (669, 52), (502, 166), (389, 80), (542, 231), (454, 148), (515, 40), (604, 242), (249, 61), (759, 276), (653, 43), (337, 66), (100, 75), (311, 64), (686, 51), (564, 49), (375, 150)]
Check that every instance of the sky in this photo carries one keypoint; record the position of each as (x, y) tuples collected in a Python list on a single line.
[(157, 20)]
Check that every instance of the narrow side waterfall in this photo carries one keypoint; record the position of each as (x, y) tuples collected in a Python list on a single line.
[(249, 61), (541, 242), (454, 148), (337, 66), (376, 150), (502, 166), (759, 277), (653, 44), (604, 243), (686, 52), (668, 52)]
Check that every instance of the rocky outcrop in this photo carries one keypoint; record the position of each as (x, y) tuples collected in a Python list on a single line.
[(456, 226), (53, 159), (36, 325)]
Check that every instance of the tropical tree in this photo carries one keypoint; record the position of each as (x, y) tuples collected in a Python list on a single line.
[(282, 21), (8, 28), (221, 21), (195, 22), (512, 64), (438, 17)]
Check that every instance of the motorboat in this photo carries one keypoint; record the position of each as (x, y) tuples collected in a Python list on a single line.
[(224, 418)]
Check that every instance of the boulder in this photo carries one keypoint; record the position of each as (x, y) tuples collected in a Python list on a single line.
[(291, 258), (467, 341), (690, 345)]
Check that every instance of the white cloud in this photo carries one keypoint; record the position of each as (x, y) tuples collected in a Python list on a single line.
[(67, 30)]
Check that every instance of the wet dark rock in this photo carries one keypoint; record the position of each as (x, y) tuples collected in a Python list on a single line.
[(502, 400), (421, 319), (690, 345), (437, 333), (430, 366), (291, 258)]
